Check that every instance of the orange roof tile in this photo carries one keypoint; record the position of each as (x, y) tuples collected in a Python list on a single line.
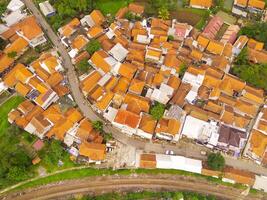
[(215, 47), (90, 81), (93, 151), (170, 126), (10, 79), (127, 70), (136, 103), (255, 44), (135, 8), (17, 46), (97, 17), (128, 118), (259, 4), (23, 89), (103, 103), (258, 142), (201, 3), (5, 62), (98, 59), (148, 161), (136, 86), (95, 31), (203, 41), (73, 115), (79, 42), (147, 124), (122, 85), (55, 79)]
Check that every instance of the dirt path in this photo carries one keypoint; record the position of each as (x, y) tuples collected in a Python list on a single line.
[(104, 184)]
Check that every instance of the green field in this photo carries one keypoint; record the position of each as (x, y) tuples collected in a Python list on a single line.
[(5, 108), (111, 7)]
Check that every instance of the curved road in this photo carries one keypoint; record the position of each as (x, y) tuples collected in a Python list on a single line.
[(98, 185), (187, 151)]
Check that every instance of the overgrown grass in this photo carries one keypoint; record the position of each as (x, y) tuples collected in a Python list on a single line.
[(5, 108), (111, 7), (88, 172)]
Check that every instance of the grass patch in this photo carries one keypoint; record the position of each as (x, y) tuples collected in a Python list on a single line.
[(29, 56), (109, 6), (149, 195), (89, 172), (5, 108)]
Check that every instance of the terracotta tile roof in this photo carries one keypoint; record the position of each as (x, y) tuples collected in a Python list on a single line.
[(97, 17), (90, 82), (223, 98), (172, 61), (93, 151), (213, 27), (253, 44), (98, 59), (22, 89), (61, 90), (241, 42), (257, 56), (23, 74), (201, 3), (26, 106), (84, 129), (249, 109), (148, 161), (69, 28), (258, 142), (196, 54), (55, 79), (171, 126), (203, 41), (215, 47), (228, 50), (122, 85), (136, 103), (135, 8), (127, 118), (253, 95), (36, 111), (13, 115), (230, 84), (103, 103), (174, 82), (127, 70), (21, 122), (81, 56), (79, 42), (259, 4), (96, 93), (51, 62), (5, 62), (242, 3), (147, 124), (158, 79), (60, 128), (53, 113), (213, 107), (73, 115), (17, 46), (239, 176), (10, 79), (95, 31), (211, 81), (179, 96), (111, 83), (136, 55), (136, 86), (121, 13), (28, 27)]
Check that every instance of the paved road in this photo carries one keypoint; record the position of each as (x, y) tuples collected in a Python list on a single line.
[(99, 185), (89, 113)]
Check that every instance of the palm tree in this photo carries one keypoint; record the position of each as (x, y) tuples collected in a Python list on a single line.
[(163, 13)]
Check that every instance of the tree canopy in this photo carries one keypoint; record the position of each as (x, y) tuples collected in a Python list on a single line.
[(83, 66), (157, 111), (98, 125), (93, 46), (216, 161), (257, 30), (163, 13), (254, 74)]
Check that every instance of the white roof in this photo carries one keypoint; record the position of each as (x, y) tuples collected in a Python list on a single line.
[(160, 96), (260, 183), (104, 80), (193, 127), (46, 8), (15, 5), (110, 114), (3, 87), (14, 17), (119, 52), (179, 163)]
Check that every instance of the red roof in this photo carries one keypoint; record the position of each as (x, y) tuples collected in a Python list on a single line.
[(213, 27)]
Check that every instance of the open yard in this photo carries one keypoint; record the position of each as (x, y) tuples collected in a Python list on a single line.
[(13, 102), (194, 17)]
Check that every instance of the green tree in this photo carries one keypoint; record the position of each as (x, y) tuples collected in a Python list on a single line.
[(2, 44), (170, 37), (182, 70), (84, 66), (17, 174), (242, 58), (130, 16), (256, 30), (216, 161), (12, 54), (93, 46), (163, 13), (157, 111), (98, 125)]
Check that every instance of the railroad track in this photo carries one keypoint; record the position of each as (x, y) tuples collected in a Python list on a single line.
[(101, 185)]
